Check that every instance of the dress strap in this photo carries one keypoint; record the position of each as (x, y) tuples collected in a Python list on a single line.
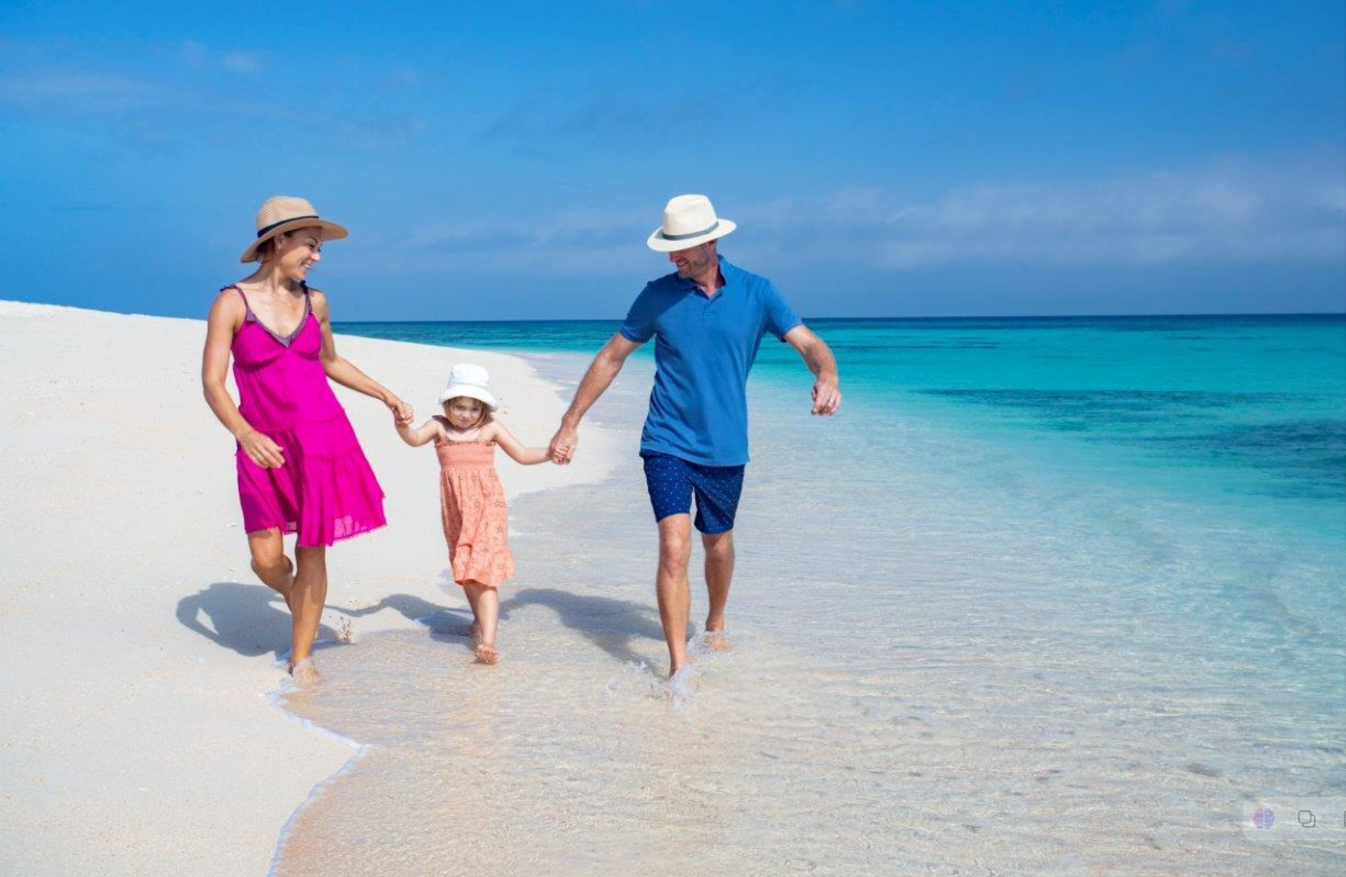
[(247, 306)]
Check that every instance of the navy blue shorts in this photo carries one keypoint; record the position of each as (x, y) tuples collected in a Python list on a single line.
[(672, 481)]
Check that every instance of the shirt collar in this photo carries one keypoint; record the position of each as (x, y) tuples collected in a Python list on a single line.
[(726, 269)]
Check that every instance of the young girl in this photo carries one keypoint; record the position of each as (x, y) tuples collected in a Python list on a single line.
[(472, 501)]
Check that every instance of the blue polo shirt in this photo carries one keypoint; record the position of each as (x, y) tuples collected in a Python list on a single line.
[(704, 347)]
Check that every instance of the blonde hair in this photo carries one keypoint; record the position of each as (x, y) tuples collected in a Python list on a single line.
[(483, 419)]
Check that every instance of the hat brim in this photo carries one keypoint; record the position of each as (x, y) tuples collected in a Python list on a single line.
[(661, 244), (455, 390), (331, 231)]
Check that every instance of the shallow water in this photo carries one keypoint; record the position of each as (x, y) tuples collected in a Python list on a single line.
[(966, 640)]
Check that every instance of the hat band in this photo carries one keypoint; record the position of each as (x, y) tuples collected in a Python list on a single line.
[(694, 234), (276, 225)]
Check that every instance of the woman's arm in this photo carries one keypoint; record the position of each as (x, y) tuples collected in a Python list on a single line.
[(225, 319), (512, 446), (346, 374), (426, 432)]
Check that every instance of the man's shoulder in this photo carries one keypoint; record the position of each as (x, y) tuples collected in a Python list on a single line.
[(668, 283), (755, 282)]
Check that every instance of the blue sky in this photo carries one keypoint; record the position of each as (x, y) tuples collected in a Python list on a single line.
[(507, 160)]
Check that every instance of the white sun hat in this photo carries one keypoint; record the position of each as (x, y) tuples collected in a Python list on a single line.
[(689, 220), (473, 381)]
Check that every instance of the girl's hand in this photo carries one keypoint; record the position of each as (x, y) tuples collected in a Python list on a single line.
[(403, 413), (262, 450)]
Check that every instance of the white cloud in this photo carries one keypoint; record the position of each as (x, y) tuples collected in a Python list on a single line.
[(1228, 213)]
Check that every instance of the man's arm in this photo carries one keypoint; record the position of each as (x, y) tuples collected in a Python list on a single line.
[(818, 356), (596, 380)]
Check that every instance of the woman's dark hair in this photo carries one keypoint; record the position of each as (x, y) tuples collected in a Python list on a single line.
[(268, 246)]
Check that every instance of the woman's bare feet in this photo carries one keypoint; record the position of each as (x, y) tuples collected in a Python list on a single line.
[(487, 653), (305, 672)]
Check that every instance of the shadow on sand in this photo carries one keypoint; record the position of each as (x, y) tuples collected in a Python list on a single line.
[(250, 619), (607, 623)]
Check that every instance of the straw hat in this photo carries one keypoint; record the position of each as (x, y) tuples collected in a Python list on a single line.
[(469, 380), (688, 220), (282, 213)]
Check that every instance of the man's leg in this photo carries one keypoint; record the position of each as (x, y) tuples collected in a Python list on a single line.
[(718, 489), (719, 573), (675, 598)]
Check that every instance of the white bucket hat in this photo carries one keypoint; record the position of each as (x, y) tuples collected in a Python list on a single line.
[(282, 213), (473, 381), (689, 220)]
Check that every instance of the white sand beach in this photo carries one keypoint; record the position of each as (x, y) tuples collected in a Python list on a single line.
[(137, 645)]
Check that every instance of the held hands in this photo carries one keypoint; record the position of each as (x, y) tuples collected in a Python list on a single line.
[(262, 450), (826, 397), (403, 413), (563, 445)]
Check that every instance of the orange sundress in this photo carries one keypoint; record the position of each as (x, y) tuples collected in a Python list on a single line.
[(472, 503)]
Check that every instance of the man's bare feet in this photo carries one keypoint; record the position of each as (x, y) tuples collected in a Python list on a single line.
[(305, 672), (487, 653), (717, 640)]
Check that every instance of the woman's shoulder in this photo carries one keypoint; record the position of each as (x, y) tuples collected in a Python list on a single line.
[(228, 304), (318, 299)]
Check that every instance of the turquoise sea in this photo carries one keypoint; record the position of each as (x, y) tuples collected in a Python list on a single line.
[(1059, 595)]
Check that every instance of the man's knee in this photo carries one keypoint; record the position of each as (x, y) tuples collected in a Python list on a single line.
[(719, 546), (675, 551)]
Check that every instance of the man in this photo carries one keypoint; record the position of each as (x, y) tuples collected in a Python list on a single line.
[(708, 320)]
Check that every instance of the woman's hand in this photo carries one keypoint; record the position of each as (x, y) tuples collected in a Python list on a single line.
[(403, 413), (262, 450)]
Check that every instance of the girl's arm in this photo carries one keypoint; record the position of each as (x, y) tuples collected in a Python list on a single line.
[(517, 452), (346, 374), (426, 432), (226, 318)]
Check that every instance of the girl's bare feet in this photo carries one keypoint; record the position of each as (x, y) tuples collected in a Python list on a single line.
[(487, 653)]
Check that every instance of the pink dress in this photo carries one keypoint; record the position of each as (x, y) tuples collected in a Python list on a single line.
[(326, 490), (476, 523)]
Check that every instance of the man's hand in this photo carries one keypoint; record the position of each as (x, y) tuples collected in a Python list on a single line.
[(826, 397), (563, 445)]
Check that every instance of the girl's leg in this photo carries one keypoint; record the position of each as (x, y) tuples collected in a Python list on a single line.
[(473, 595), (270, 563), (306, 602), (486, 603)]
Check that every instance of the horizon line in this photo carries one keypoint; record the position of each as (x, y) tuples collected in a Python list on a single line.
[(1239, 314)]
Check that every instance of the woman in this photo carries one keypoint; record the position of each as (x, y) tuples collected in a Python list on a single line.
[(300, 467)]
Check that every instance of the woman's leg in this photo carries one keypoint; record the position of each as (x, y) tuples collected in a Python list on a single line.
[(485, 602), (270, 563), (306, 601)]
